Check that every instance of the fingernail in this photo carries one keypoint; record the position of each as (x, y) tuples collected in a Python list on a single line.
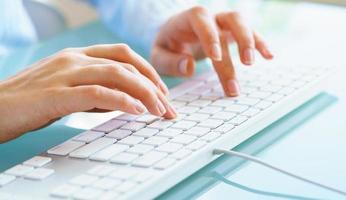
[(216, 52), (249, 56), (183, 66), (233, 88), (139, 107), (173, 111), (160, 108)]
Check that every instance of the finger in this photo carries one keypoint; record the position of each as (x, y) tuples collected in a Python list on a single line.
[(115, 76), (171, 63), (204, 27), (262, 47), (123, 53), (225, 70), (231, 21), (88, 97)]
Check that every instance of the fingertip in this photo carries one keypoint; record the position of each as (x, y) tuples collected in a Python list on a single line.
[(232, 88), (186, 66), (248, 56)]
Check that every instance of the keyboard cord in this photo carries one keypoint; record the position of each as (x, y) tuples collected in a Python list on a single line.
[(261, 162)]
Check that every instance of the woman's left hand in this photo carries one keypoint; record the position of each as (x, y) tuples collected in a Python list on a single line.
[(195, 34)]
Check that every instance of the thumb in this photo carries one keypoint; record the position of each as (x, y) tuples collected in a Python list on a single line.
[(172, 63)]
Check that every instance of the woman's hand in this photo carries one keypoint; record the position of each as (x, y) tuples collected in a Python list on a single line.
[(101, 77), (195, 34)]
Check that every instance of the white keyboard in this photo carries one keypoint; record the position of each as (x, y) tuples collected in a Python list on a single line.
[(131, 157)]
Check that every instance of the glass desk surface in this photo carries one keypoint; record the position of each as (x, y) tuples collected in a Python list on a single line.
[(309, 141)]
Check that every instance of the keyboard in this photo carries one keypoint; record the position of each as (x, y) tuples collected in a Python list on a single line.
[(132, 157)]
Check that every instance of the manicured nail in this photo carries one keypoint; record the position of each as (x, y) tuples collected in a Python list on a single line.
[(249, 56), (160, 108), (268, 53), (216, 53), (139, 107), (183, 66), (233, 88)]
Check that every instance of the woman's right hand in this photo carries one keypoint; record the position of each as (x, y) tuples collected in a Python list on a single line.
[(100, 77)]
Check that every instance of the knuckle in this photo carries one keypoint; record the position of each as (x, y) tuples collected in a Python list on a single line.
[(124, 48), (65, 57), (130, 67), (196, 10), (113, 70), (94, 91), (124, 100)]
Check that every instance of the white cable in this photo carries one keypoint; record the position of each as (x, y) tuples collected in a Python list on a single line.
[(261, 162)]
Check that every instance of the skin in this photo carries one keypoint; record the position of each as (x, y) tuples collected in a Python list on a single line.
[(113, 77)]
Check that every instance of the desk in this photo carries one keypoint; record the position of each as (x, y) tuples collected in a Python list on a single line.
[(300, 33)]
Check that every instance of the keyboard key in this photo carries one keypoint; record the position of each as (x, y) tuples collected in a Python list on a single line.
[(286, 91), (263, 104), (200, 103), (223, 102), (260, 94), (183, 139), (88, 136), (169, 133), (251, 112), (155, 140), (39, 173), (178, 104), (165, 163), (169, 147), (124, 158), (110, 195), (109, 126), (65, 148), (143, 176), (247, 101), (38, 161), (19, 170), (200, 91), (101, 170), (149, 159), (181, 154), (196, 145), (225, 116), (188, 109), (127, 117), (106, 183), (224, 128), (161, 124), (133, 126), (211, 123), (236, 108), (124, 173), (108, 152), (211, 96), (211, 136), (238, 120), (186, 98), (83, 180), (126, 186), (119, 134), (92, 148), (131, 140), (184, 125), (87, 193), (65, 190), (140, 149), (197, 131), (210, 110), (6, 196), (275, 97), (6, 179), (146, 132), (270, 88), (197, 117), (148, 119)]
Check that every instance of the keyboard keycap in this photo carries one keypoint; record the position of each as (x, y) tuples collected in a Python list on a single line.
[(238, 120), (223, 102), (124, 158), (83, 180), (184, 125), (126, 186), (211, 136), (196, 145), (263, 105), (183, 139), (224, 128), (110, 195), (65, 148), (101, 170), (106, 183), (143, 176), (169, 147), (197, 117), (148, 119), (65, 190), (210, 110), (165, 163), (247, 101), (87, 193), (149, 159), (197, 131), (275, 97), (146, 132), (155, 140), (131, 140), (19, 170), (186, 98), (108, 152), (225, 116), (6, 179), (140, 149), (188, 109), (127, 117), (260, 94), (38, 161), (200, 103), (124, 173), (88, 136), (251, 112), (181, 154), (119, 134), (161, 124), (109, 126), (39, 173), (236, 108), (178, 104), (211, 123), (133, 126), (92, 148)]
